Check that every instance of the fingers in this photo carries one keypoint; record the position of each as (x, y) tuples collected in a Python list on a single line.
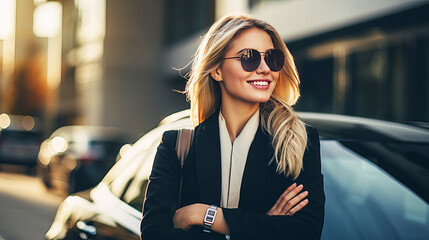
[(289, 189), (285, 204), (290, 202), (297, 207), (293, 202)]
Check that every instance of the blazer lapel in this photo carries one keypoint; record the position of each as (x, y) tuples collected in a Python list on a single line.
[(208, 160)]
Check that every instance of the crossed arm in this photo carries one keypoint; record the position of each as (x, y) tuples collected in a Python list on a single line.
[(162, 221), (290, 202)]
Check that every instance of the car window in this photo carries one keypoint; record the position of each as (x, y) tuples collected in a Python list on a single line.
[(19, 137), (126, 179), (407, 162), (119, 184), (135, 192), (129, 177), (363, 201), (417, 153), (104, 149)]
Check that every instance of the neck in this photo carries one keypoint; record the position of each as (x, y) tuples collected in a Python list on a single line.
[(236, 117)]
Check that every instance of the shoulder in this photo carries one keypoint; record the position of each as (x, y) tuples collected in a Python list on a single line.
[(311, 131), (168, 139), (311, 160), (209, 126), (169, 136), (312, 136)]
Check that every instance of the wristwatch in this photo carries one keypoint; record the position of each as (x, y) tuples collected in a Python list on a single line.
[(209, 218)]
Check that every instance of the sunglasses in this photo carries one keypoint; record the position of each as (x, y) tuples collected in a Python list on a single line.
[(251, 59)]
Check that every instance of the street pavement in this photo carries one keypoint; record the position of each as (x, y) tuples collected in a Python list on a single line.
[(26, 208)]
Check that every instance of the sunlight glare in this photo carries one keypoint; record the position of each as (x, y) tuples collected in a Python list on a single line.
[(7, 15)]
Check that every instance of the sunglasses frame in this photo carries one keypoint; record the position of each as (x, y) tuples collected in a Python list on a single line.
[(248, 67)]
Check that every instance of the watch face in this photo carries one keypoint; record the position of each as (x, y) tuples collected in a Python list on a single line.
[(210, 215), (209, 219)]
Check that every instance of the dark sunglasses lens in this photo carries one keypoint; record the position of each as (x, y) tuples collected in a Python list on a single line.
[(275, 59), (250, 60)]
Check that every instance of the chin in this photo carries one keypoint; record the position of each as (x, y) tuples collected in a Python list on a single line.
[(262, 100)]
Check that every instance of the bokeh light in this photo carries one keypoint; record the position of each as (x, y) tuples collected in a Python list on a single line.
[(4, 120), (58, 144), (28, 123), (47, 19)]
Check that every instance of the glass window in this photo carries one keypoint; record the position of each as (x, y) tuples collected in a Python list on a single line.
[(123, 174), (418, 83), (187, 17), (135, 192), (317, 85), (128, 179), (370, 90), (363, 201), (104, 149)]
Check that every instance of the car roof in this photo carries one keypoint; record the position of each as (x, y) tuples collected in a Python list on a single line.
[(90, 132), (342, 127), (176, 116)]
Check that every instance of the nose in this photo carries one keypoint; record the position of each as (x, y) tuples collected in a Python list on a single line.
[(263, 67)]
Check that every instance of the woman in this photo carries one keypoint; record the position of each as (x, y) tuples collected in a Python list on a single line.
[(251, 157)]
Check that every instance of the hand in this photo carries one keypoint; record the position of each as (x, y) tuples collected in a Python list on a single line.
[(189, 215), (290, 202)]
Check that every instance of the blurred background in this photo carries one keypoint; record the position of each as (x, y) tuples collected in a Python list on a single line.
[(82, 79), (111, 63)]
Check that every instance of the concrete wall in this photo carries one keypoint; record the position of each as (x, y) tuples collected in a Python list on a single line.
[(134, 93)]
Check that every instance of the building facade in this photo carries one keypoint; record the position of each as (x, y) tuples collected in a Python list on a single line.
[(119, 59)]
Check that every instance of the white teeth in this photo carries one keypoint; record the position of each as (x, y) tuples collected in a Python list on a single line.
[(259, 83)]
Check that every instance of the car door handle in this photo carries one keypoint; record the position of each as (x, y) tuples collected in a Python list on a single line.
[(86, 228)]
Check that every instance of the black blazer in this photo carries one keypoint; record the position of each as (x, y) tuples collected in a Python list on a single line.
[(260, 189)]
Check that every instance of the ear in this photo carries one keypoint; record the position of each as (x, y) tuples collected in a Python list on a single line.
[(217, 75)]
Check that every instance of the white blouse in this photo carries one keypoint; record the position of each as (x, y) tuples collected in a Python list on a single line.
[(233, 159)]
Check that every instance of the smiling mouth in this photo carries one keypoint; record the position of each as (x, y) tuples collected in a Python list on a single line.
[(259, 83)]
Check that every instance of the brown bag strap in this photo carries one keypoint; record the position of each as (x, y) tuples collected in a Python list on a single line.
[(183, 143)]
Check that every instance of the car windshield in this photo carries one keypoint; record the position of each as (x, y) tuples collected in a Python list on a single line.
[(104, 149), (363, 201)]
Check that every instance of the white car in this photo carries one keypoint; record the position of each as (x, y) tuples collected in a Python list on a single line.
[(376, 183)]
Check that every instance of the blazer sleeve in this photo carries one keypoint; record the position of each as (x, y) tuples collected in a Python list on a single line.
[(162, 195), (305, 224)]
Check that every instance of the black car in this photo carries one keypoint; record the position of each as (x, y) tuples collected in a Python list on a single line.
[(75, 158), (376, 176), (20, 139)]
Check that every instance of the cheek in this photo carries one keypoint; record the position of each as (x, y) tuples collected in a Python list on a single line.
[(276, 76), (234, 73)]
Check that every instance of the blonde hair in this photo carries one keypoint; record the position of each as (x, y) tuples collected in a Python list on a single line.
[(289, 137)]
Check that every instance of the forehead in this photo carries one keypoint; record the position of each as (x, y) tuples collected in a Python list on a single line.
[(252, 38)]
